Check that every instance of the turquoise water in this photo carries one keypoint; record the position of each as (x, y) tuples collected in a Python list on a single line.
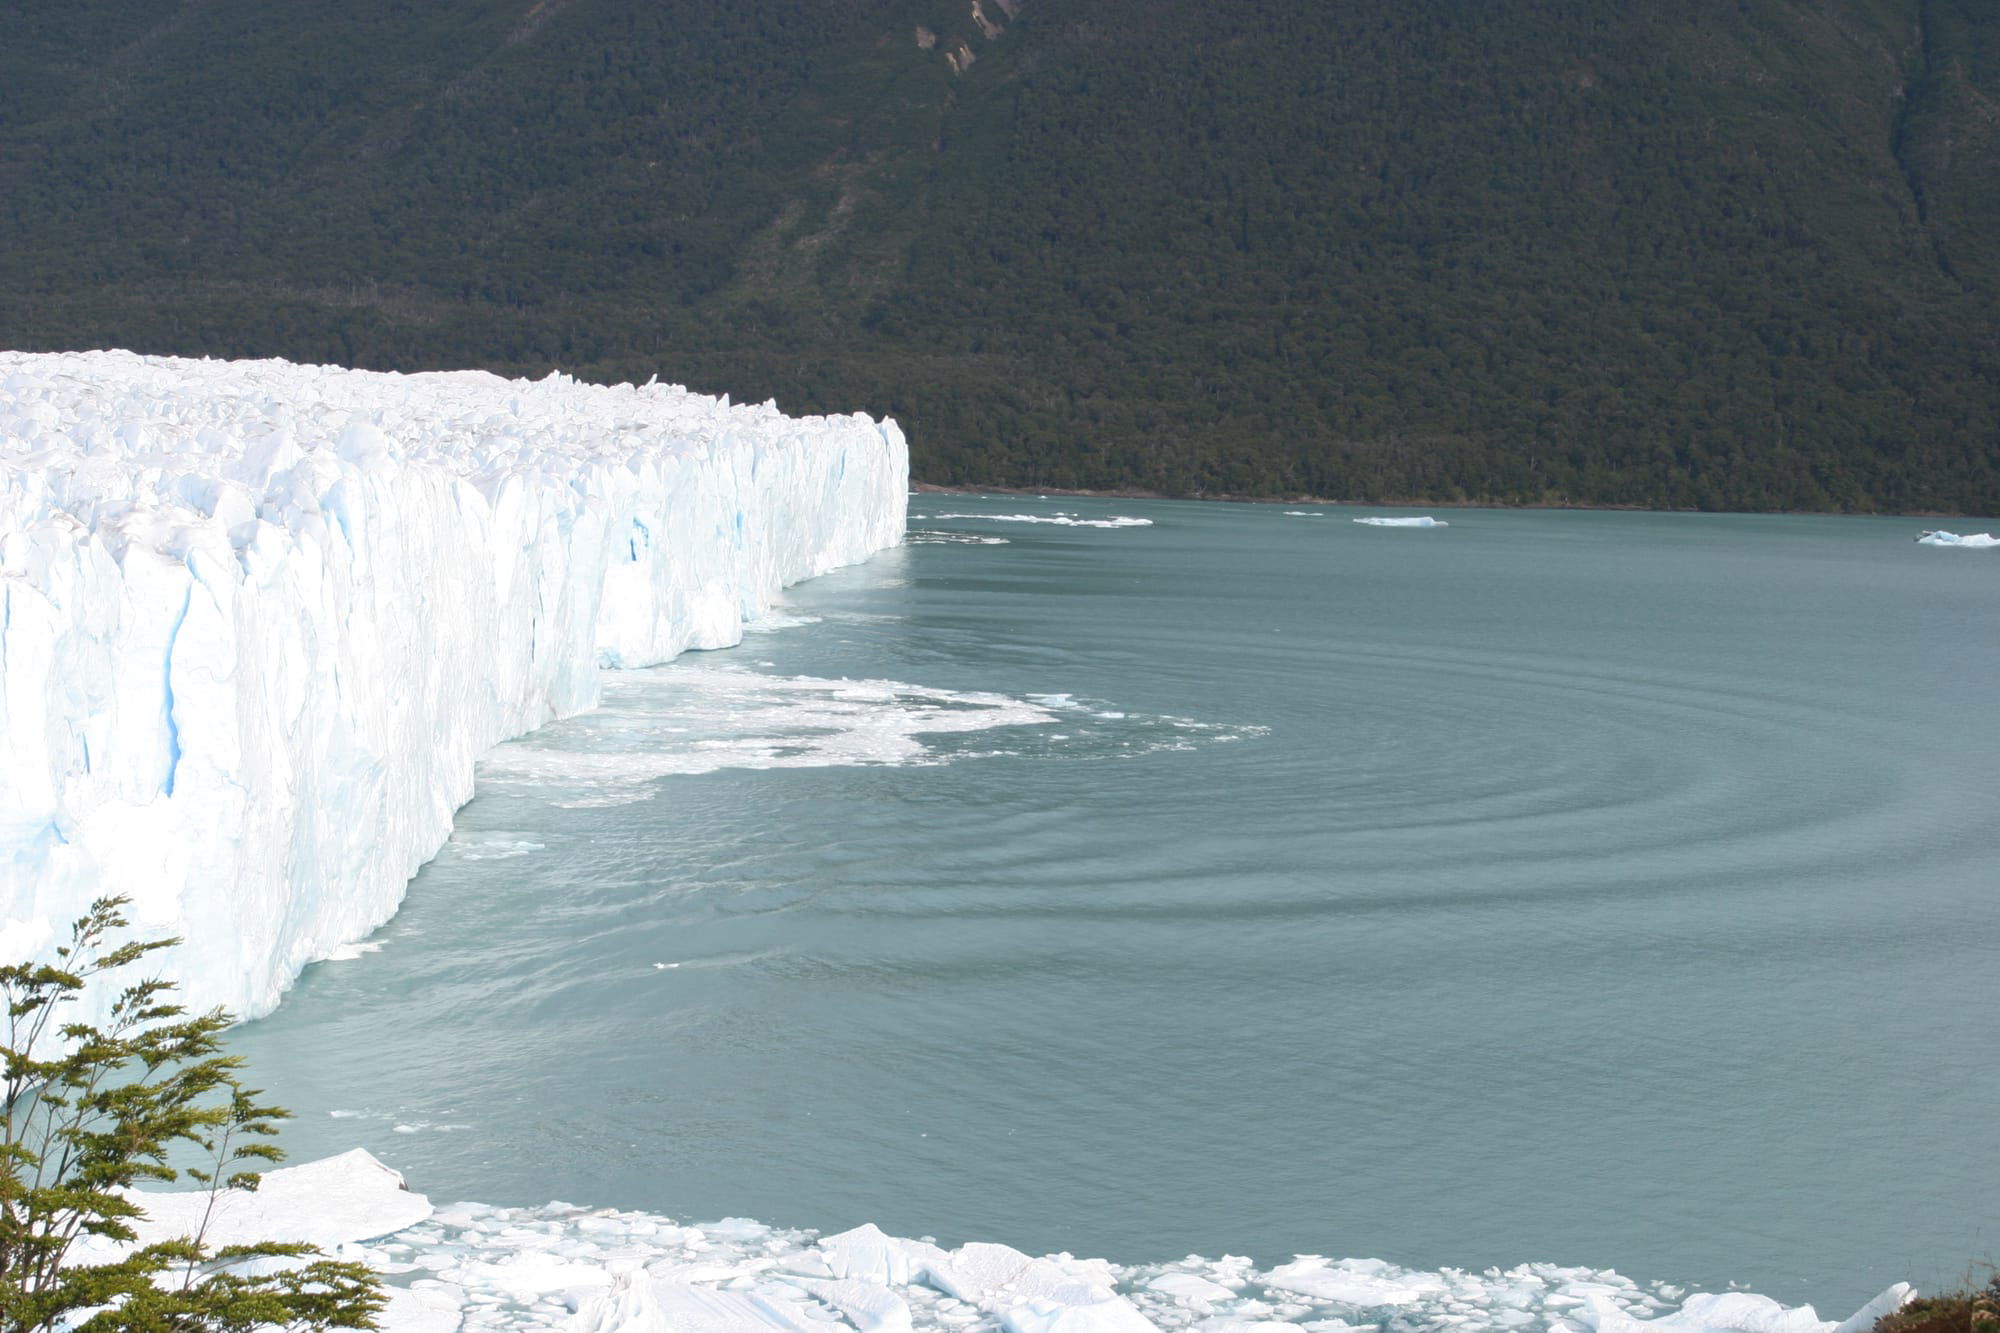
[(1606, 889)]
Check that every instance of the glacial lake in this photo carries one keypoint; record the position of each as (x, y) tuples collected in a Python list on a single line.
[(1597, 888)]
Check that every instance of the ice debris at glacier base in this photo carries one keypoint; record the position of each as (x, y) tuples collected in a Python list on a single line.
[(1060, 520), (329, 1203), (257, 620), (471, 1268)]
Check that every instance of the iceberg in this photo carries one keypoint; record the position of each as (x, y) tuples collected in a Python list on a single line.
[(1977, 541), (1426, 522), (257, 619)]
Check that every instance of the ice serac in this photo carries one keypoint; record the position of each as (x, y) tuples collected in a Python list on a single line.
[(257, 620)]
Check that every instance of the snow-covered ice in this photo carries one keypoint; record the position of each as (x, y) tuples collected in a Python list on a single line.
[(334, 1202), (1971, 541), (257, 620), (1425, 522), (473, 1267)]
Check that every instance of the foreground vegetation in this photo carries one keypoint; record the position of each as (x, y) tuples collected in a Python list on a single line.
[(1963, 1312), (89, 1111), (1740, 255)]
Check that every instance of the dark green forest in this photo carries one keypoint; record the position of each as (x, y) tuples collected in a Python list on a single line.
[(1730, 254)]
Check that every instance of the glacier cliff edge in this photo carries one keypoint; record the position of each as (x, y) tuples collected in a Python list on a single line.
[(258, 620)]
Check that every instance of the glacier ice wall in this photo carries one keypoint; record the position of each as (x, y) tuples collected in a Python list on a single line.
[(257, 620)]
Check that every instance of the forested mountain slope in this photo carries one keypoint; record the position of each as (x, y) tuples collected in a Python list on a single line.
[(1727, 253)]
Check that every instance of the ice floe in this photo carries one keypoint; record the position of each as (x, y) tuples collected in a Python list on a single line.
[(331, 1203), (1056, 520), (494, 849), (480, 1269), (1971, 541), (926, 537), (1425, 522)]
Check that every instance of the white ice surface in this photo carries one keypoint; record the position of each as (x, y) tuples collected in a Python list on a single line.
[(1377, 522), (926, 537), (560, 1267), (1971, 541), (1738, 1312), (1057, 520), (258, 620), (331, 1203)]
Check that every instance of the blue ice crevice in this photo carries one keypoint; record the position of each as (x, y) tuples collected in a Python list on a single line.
[(173, 728)]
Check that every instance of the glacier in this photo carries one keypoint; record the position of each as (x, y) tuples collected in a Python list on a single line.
[(257, 619)]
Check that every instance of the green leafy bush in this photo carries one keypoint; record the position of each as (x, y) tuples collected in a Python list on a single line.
[(90, 1111)]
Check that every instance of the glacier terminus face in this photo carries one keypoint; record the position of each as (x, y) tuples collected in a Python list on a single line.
[(257, 620)]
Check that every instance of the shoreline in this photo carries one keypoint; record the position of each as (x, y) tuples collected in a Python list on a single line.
[(1141, 493)]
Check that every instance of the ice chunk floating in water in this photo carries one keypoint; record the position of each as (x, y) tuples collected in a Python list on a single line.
[(1058, 520), (926, 537), (1426, 522), (332, 1202), (596, 1270), (1973, 541), (258, 620)]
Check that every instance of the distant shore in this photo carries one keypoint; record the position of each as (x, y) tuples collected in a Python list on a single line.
[(1139, 493)]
